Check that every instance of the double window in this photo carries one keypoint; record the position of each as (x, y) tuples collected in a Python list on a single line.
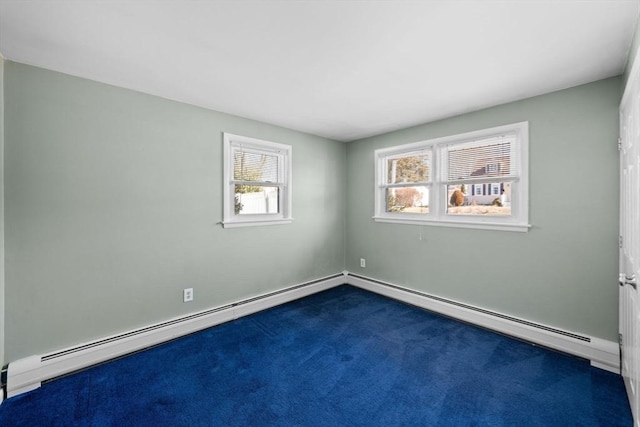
[(257, 187), (474, 180)]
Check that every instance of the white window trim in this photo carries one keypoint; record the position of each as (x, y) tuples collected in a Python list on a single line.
[(230, 218), (517, 221)]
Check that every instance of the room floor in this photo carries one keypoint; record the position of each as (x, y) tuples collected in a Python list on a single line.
[(341, 357)]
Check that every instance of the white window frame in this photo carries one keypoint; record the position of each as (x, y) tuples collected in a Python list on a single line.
[(438, 203), (232, 143)]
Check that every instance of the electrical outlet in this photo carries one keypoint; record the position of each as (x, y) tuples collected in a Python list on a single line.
[(363, 263), (187, 294)]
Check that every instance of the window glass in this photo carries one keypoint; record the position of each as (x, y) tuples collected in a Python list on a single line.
[(484, 199), (252, 199), (408, 199), (412, 168)]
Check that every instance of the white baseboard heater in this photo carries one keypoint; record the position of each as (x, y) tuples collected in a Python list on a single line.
[(601, 353), (28, 373)]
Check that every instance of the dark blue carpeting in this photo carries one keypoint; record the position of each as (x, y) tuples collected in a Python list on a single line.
[(341, 357)]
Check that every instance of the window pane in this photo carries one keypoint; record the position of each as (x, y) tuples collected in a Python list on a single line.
[(252, 166), (408, 199), (251, 199), (408, 169), (485, 158), (487, 198)]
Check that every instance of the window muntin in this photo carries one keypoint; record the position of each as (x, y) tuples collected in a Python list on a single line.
[(257, 187), (476, 180)]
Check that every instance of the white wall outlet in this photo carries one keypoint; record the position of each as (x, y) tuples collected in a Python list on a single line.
[(187, 294), (363, 263)]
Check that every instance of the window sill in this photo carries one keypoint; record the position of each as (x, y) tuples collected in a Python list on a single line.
[(249, 223), (499, 226)]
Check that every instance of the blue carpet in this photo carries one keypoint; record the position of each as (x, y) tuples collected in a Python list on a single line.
[(341, 357)]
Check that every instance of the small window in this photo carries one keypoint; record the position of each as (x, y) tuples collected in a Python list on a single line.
[(474, 180), (257, 176)]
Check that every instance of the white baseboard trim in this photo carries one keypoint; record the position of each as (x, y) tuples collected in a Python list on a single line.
[(28, 373), (602, 353)]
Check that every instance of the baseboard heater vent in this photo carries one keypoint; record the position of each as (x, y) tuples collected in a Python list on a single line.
[(132, 333), (601, 353), (478, 309), (181, 320), (28, 373)]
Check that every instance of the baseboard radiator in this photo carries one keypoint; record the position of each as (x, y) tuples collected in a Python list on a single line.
[(28, 373), (601, 353)]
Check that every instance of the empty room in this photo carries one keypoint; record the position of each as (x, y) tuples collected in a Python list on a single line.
[(319, 213)]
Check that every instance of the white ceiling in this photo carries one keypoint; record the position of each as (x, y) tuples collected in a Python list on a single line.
[(340, 69)]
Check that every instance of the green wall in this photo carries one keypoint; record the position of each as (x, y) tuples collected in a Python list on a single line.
[(563, 272), (113, 203)]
